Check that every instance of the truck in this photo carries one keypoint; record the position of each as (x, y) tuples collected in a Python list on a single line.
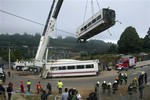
[(126, 62), (37, 64)]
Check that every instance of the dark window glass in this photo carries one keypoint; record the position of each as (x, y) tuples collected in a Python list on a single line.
[(62, 68), (71, 67), (89, 66), (98, 17), (94, 20), (89, 24), (80, 66)]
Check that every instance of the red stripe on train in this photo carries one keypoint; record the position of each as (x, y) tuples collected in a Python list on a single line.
[(75, 72)]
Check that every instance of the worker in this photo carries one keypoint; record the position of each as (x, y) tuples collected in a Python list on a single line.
[(97, 90), (9, 74), (21, 87), (28, 85), (38, 87), (141, 87), (2, 91), (134, 84), (117, 79), (145, 77), (121, 78), (130, 89), (49, 87), (142, 79), (60, 86), (104, 86), (125, 77), (115, 87), (9, 90), (11, 85), (109, 88)]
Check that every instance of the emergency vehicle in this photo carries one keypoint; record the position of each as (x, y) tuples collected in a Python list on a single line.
[(126, 62)]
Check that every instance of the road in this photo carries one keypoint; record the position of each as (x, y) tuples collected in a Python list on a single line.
[(73, 82)]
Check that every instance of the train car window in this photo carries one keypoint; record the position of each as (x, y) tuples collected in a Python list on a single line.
[(85, 27), (71, 67), (54, 68), (62, 68), (90, 66), (98, 17), (81, 29), (89, 24), (80, 66), (94, 20)]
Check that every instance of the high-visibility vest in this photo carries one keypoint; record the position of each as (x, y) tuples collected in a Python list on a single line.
[(38, 86), (60, 84), (28, 83)]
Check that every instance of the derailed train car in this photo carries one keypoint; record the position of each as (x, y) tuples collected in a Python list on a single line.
[(98, 23)]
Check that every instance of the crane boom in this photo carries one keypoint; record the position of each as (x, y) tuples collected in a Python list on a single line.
[(49, 28)]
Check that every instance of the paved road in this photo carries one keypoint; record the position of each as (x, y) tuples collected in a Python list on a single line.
[(75, 82)]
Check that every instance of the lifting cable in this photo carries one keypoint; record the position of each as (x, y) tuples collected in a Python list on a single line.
[(85, 11), (98, 4), (92, 9)]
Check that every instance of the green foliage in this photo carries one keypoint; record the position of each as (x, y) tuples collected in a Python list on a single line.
[(25, 46), (129, 41), (112, 49), (146, 42)]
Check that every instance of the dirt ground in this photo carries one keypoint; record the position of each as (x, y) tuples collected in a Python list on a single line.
[(121, 94)]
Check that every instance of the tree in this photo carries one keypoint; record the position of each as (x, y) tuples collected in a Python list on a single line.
[(112, 49), (129, 41), (146, 42)]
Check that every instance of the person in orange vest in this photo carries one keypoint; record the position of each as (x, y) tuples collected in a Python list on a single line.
[(38, 87), (21, 87)]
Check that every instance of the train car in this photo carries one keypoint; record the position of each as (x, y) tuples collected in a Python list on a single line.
[(98, 23), (69, 67)]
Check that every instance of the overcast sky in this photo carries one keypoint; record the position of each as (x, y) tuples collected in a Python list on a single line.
[(134, 13)]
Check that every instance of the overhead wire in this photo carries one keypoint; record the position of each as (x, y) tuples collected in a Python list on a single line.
[(33, 21)]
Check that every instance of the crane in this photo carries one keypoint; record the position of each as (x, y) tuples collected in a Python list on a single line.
[(36, 65)]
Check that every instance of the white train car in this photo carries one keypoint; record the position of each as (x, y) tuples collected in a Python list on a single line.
[(99, 22), (69, 67)]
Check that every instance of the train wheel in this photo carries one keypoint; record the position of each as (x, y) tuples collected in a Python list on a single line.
[(35, 70), (30, 69), (18, 68)]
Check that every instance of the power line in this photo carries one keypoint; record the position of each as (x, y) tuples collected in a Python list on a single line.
[(33, 21), (21, 17)]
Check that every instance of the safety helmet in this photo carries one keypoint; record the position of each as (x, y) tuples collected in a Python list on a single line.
[(135, 78), (104, 81), (98, 82), (142, 72), (115, 81), (122, 74), (109, 83)]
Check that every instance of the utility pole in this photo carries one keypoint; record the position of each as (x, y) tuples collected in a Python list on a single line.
[(9, 57)]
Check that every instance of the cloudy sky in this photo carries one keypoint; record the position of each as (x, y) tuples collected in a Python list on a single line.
[(134, 13)]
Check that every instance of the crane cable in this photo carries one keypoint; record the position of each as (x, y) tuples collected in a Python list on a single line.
[(98, 4), (92, 9), (85, 11), (33, 21)]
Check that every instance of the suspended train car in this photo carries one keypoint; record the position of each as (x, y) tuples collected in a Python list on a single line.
[(98, 23)]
